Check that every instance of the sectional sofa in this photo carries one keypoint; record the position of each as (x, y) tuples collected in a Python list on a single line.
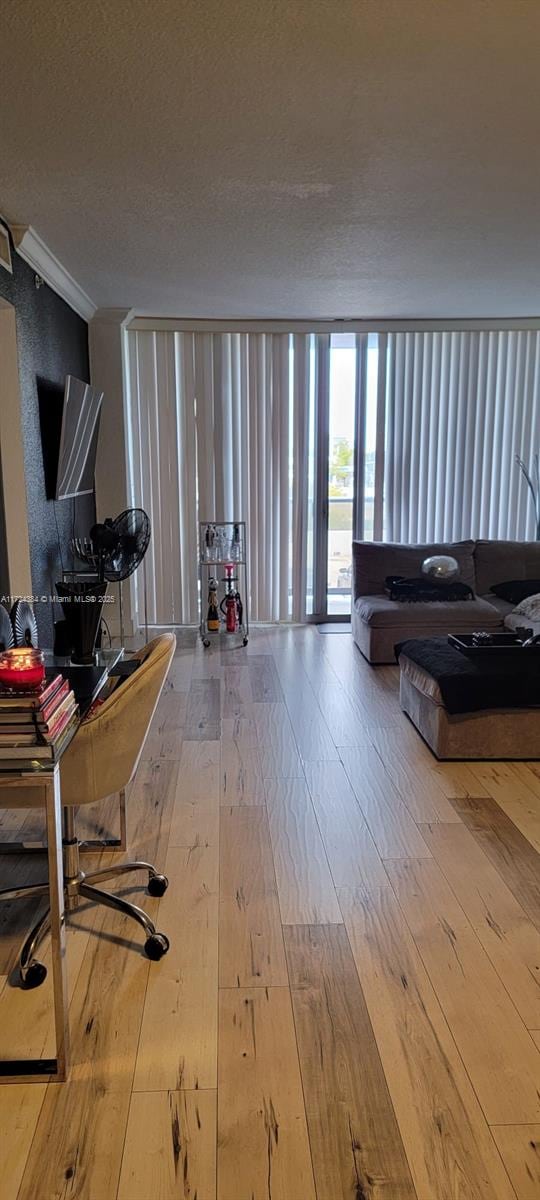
[(379, 622)]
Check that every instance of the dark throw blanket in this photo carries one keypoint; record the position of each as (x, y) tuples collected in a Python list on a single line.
[(411, 591), (468, 685)]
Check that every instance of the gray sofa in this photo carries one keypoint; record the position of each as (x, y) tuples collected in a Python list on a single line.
[(378, 622)]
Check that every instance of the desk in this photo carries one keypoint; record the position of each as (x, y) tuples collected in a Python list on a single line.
[(47, 785), (46, 781)]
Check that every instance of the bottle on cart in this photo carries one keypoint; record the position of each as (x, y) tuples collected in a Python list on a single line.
[(236, 544), (212, 618)]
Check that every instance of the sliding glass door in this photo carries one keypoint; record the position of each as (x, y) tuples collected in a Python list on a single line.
[(342, 465)]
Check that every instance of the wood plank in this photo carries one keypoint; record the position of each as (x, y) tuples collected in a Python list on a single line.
[(194, 824), (514, 795), (350, 849), (149, 808), (306, 891), (166, 734), (236, 693), (535, 1033), (447, 1141), (263, 1148), (278, 751), (392, 827), (198, 772), (20, 1107), (170, 1147), (178, 1038), (412, 778), (509, 851), (241, 772), (457, 780), (79, 1141), (519, 1146), (264, 679), (499, 1054), (180, 671), (353, 1131), (203, 710), (507, 934), (251, 950), (344, 716), (310, 730)]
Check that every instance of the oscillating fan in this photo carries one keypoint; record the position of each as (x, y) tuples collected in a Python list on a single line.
[(119, 547), (121, 544)]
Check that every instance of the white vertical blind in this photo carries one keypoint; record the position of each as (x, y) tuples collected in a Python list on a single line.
[(219, 432), (459, 407)]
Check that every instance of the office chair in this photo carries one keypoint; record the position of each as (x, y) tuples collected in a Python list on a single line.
[(101, 759)]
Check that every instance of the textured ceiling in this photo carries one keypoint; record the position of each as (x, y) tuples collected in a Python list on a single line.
[(262, 158)]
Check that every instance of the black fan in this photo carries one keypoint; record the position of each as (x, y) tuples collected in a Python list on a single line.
[(7, 637), (121, 545)]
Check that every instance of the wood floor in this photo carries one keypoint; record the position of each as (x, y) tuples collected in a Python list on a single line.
[(350, 1008)]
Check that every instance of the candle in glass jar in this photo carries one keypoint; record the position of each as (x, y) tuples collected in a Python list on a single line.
[(22, 668)]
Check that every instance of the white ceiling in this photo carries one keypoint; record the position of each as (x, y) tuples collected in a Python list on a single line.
[(258, 158)]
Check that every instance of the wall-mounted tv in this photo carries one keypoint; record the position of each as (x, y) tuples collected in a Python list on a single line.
[(78, 439), (69, 419)]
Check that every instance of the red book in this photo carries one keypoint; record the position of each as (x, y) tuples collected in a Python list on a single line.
[(13, 701), (48, 710), (61, 717)]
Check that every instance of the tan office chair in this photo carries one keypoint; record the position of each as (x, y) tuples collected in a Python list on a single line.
[(101, 760)]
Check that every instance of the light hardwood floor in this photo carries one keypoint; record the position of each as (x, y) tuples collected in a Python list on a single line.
[(350, 1009)]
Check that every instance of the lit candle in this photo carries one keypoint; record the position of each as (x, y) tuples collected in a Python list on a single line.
[(22, 668)]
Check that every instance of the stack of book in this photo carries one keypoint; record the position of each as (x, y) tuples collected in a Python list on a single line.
[(36, 726)]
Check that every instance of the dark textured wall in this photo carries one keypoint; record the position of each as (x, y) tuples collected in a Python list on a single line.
[(52, 343)]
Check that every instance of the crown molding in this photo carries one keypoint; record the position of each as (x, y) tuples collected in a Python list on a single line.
[(38, 256), (113, 316)]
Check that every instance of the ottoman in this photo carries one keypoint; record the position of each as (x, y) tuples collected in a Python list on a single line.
[(501, 732)]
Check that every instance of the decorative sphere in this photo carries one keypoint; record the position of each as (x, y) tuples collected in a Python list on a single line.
[(440, 568)]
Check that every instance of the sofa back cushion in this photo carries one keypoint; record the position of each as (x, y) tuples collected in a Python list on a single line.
[(497, 562), (373, 561)]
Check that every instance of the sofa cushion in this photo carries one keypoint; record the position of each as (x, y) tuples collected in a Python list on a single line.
[(496, 562), (452, 616), (373, 561)]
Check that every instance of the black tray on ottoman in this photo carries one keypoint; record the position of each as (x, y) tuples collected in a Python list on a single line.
[(501, 647)]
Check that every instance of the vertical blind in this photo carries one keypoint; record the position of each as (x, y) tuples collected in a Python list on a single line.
[(459, 407), (218, 431)]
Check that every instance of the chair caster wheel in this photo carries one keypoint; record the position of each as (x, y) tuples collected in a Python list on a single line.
[(156, 946), (157, 885), (35, 976)]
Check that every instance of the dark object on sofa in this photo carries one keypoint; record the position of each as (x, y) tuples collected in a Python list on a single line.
[(470, 685), (516, 590), (414, 591), (379, 622)]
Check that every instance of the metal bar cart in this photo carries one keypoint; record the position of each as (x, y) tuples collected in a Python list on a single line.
[(223, 583)]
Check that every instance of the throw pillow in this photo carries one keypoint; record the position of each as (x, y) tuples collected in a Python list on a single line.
[(516, 590)]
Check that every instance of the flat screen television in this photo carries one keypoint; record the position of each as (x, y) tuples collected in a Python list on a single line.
[(78, 439)]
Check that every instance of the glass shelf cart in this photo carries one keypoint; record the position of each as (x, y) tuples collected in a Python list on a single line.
[(223, 588)]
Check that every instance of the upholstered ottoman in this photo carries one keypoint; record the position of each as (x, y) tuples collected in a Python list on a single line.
[(481, 733)]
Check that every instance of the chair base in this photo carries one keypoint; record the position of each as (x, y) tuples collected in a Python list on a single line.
[(80, 884)]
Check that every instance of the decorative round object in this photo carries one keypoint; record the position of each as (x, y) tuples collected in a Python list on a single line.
[(7, 637), (440, 568), (24, 624)]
